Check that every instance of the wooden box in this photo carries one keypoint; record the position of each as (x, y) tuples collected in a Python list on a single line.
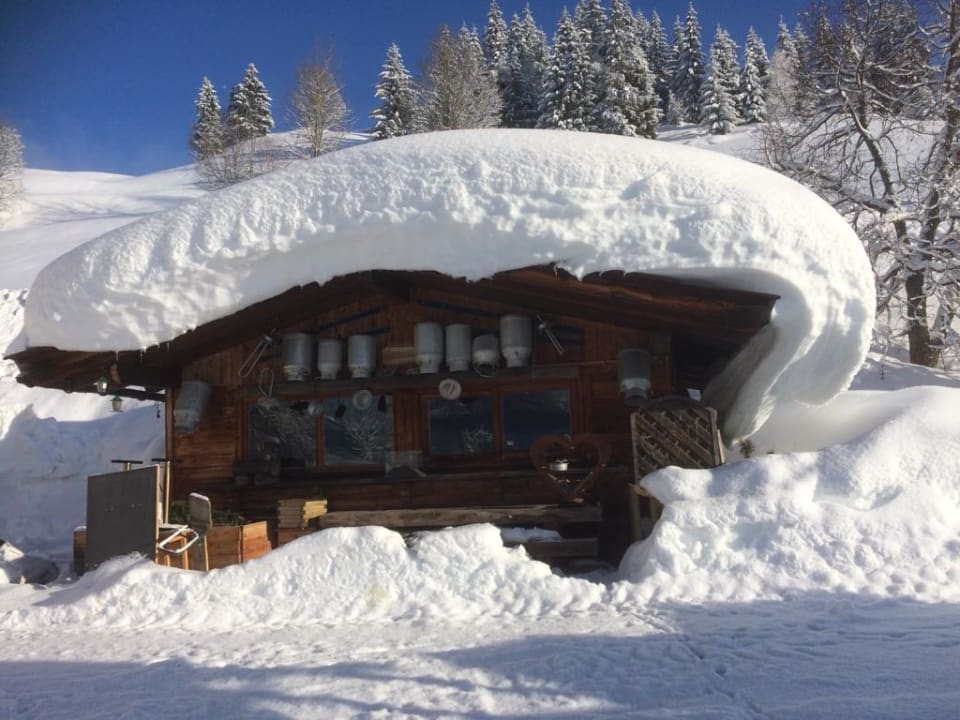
[(232, 544)]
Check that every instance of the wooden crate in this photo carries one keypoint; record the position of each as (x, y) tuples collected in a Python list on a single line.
[(233, 544), (296, 513)]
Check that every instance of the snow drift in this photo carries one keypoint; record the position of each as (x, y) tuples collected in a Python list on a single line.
[(473, 203), (876, 515), (343, 574)]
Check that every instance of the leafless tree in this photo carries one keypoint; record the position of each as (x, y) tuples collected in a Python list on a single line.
[(11, 165), (318, 107), (459, 92), (880, 142)]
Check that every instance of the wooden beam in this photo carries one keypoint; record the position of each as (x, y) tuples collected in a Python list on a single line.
[(720, 322), (550, 516), (145, 375)]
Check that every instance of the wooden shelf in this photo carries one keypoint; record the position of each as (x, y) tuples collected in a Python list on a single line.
[(386, 383)]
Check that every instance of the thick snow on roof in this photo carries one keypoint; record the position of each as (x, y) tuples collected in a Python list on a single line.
[(473, 203)]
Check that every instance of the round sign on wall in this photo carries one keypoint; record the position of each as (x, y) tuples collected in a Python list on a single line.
[(450, 389)]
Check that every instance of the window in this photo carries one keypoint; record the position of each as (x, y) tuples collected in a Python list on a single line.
[(528, 415), (283, 431), (462, 427), (357, 430)]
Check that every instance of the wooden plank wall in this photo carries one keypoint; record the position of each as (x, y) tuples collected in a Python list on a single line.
[(204, 459)]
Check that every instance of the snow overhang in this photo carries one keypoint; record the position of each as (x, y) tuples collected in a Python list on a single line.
[(472, 204)]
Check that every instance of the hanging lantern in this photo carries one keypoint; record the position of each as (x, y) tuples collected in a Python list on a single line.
[(101, 384), (116, 402)]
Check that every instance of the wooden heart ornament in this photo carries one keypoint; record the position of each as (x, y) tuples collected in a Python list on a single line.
[(553, 454)]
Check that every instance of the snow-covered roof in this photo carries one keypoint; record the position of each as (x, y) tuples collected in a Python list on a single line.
[(473, 203)]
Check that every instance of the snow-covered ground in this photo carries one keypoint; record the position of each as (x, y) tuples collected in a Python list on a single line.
[(823, 583)]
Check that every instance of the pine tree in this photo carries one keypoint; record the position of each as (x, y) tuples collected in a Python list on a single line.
[(718, 108), (527, 58), (724, 67), (689, 70), (807, 70), (397, 113), (495, 39), (753, 105), (672, 116), (627, 103), (206, 135), (248, 113), (565, 99), (660, 60), (642, 26), (756, 51), (590, 20)]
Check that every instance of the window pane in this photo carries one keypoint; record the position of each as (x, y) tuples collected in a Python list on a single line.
[(283, 431), (528, 415), (357, 433), (461, 427)]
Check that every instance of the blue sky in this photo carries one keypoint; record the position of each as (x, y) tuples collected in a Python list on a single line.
[(109, 84)]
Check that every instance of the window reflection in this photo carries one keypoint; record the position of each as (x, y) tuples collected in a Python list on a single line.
[(284, 432), (528, 415), (461, 427), (357, 433)]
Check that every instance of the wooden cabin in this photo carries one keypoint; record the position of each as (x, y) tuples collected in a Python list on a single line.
[(400, 449)]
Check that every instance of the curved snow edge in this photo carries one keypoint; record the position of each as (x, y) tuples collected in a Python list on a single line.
[(473, 203)]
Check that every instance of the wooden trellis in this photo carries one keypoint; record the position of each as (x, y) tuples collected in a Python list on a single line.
[(674, 431)]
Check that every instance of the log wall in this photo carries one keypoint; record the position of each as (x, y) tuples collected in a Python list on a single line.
[(205, 459)]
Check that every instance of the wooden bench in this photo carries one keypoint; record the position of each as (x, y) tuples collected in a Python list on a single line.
[(550, 517)]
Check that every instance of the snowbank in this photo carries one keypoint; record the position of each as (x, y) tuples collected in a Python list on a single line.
[(472, 203), (343, 574), (876, 515)]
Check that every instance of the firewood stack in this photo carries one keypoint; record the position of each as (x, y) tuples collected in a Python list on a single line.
[(296, 513)]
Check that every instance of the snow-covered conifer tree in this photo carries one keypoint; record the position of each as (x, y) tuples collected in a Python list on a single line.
[(719, 112), (688, 72), (495, 39), (248, 113), (565, 98), (725, 69), (590, 21), (757, 52), (642, 26), (626, 103), (206, 137), (527, 58), (752, 96), (659, 59), (397, 113)]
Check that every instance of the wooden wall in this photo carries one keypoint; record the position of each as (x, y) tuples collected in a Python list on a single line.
[(204, 460)]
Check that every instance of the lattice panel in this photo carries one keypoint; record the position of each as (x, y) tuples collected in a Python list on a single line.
[(680, 432)]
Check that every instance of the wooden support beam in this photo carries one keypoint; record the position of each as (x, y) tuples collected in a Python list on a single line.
[(548, 516)]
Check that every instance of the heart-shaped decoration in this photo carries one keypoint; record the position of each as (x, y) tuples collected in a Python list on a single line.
[(553, 454)]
